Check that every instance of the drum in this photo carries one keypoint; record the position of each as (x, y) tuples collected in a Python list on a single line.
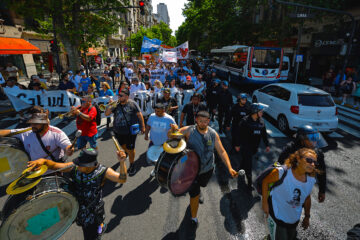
[(177, 172), (153, 153), (13, 159), (44, 212)]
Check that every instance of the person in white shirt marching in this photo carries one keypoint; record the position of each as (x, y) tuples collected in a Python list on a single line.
[(53, 139), (129, 72), (136, 86), (158, 125), (283, 206)]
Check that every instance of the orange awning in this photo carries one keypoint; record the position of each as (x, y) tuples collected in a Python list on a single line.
[(93, 51), (17, 46)]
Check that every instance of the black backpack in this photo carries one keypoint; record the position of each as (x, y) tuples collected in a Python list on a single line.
[(259, 179), (98, 114)]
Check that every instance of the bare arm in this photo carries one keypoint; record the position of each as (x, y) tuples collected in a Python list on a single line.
[(182, 118), (50, 164), (119, 177), (224, 156), (141, 119), (147, 130)]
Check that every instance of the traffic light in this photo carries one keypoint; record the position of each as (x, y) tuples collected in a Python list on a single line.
[(141, 6), (53, 46)]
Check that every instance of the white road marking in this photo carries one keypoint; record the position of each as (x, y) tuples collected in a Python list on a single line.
[(335, 135), (349, 130)]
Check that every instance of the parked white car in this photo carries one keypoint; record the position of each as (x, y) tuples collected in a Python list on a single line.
[(293, 105)]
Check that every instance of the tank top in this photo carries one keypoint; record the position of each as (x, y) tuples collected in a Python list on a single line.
[(203, 145), (289, 197)]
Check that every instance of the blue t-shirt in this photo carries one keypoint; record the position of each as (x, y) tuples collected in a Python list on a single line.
[(107, 93), (85, 82), (159, 128)]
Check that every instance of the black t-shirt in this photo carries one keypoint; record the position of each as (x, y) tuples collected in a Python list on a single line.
[(66, 86), (187, 87), (190, 110), (122, 123), (172, 103)]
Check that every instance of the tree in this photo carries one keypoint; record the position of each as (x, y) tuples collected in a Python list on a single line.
[(76, 29), (216, 23), (160, 31)]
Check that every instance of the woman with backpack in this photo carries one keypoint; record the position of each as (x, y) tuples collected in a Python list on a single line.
[(283, 205)]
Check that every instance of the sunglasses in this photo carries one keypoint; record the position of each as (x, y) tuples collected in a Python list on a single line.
[(310, 161), (121, 95)]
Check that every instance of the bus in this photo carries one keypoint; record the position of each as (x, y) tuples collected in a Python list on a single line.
[(242, 64)]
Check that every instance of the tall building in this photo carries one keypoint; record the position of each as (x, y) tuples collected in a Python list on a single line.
[(162, 13)]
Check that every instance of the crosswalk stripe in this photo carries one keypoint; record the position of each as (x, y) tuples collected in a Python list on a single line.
[(349, 130), (272, 130), (335, 135)]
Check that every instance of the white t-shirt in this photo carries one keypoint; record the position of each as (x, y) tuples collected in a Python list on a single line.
[(139, 87), (54, 140), (289, 197), (159, 127), (13, 68), (128, 73)]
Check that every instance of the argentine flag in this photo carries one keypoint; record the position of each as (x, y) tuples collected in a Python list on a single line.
[(150, 45)]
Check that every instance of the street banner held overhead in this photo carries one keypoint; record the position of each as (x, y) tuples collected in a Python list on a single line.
[(150, 45), (183, 50), (168, 55), (55, 101)]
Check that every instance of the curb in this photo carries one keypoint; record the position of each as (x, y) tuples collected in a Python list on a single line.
[(346, 105)]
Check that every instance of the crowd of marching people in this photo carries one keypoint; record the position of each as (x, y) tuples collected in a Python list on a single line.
[(169, 85)]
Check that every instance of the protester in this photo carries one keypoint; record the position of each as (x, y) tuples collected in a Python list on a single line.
[(128, 121), (212, 97), (238, 111), (191, 109), (41, 140), (88, 177), (86, 122), (347, 87), (188, 85), (225, 102), (158, 86), (67, 85), (12, 70), (285, 202), (136, 85), (170, 103)]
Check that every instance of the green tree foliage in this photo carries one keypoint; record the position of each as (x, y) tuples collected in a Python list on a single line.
[(216, 23), (76, 30), (160, 31)]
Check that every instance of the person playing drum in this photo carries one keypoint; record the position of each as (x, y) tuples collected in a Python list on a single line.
[(158, 125), (87, 177), (42, 140), (203, 140)]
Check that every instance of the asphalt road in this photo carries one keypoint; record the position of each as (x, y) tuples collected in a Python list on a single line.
[(140, 209)]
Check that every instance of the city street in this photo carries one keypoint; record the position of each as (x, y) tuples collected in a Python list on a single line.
[(140, 209)]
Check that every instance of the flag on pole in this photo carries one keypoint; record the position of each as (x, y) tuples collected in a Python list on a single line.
[(183, 50), (150, 45)]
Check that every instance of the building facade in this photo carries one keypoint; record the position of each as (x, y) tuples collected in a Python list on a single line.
[(162, 13)]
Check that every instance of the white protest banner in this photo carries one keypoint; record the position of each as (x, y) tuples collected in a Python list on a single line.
[(169, 57), (55, 101), (183, 50)]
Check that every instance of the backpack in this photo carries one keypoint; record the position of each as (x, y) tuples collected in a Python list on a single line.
[(98, 114), (259, 179)]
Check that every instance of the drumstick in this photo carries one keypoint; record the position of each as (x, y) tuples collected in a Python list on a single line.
[(77, 135), (116, 144)]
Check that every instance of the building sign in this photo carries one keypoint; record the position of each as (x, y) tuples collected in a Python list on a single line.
[(326, 44)]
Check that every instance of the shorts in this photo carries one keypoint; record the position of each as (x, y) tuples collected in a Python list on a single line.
[(126, 139), (201, 181), (83, 140)]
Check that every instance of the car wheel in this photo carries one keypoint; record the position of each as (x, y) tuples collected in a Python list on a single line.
[(254, 99), (283, 124)]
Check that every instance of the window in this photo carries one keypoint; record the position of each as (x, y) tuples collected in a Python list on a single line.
[(283, 94), (316, 100)]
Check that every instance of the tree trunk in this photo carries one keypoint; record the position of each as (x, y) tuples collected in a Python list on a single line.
[(73, 54)]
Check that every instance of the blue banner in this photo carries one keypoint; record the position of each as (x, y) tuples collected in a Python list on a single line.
[(150, 45)]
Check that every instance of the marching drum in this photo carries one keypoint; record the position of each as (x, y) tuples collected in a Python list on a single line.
[(153, 153), (177, 172), (43, 212), (13, 159)]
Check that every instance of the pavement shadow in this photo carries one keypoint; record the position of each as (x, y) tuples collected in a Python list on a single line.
[(109, 186), (124, 206), (235, 206), (185, 231), (106, 135)]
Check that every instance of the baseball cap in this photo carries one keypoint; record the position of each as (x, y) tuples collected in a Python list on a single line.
[(188, 77), (38, 118), (87, 158), (226, 83), (82, 74)]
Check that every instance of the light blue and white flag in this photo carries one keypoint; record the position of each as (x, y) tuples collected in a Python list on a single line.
[(150, 45)]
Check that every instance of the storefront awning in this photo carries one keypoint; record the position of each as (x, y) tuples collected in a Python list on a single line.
[(93, 51), (17, 46)]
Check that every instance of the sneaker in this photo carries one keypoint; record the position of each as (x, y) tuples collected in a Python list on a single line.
[(102, 228), (131, 170), (342, 104), (201, 198), (152, 174)]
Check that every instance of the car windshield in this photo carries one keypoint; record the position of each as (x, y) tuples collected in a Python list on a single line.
[(266, 58), (315, 100)]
